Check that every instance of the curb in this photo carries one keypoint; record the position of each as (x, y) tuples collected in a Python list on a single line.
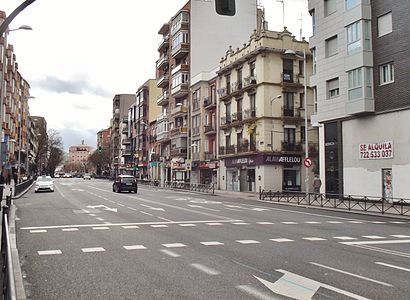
[(18, 277), (23, 192)]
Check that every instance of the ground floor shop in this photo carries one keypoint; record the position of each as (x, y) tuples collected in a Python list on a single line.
[(262, 171), (368, 156), (204, 173)]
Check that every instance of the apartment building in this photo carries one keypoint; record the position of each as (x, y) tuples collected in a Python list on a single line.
[(78, 155), (261, 115), (192, 43), (103, 139), (361, 73), (121, 155)]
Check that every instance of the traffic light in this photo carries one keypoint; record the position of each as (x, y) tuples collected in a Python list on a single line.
[(225, 7), (99, 149)]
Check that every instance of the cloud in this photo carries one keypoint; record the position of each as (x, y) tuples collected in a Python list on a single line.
[(78, 86)]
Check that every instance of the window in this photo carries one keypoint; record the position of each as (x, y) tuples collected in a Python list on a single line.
[(332, 86), (302, 134), (182, 37), (288, 70), (353, 38), (384, 24), (315, 99), (331, 46), (252, 69), (369, 82), (330, 7), (386, 72), (180, 79), (313, 15), (314, 60), (352, 3), (367, 35), (355, 84)]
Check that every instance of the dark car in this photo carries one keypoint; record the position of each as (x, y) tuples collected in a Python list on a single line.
[(125, 183)]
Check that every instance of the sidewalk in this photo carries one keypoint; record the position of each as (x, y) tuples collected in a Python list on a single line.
[(6, 191)]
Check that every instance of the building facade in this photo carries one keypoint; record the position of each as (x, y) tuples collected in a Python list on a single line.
[(361, 80), (78, 156), (262, 113)]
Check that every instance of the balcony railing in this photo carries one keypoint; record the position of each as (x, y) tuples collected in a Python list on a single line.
[(163, 81), (249, 114), (195, 130), (210, 129), (162, 61), (163, 99), (179, 110), (296, 147), (226, 120), (179, 130), (180, 90), (163, 136), (237, 117), (164, 42), (210, 156), (180, 50), (249, 82)]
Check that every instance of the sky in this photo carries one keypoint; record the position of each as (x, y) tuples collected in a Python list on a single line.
[(81, 53)]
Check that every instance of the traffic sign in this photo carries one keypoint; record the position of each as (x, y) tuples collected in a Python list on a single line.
[(307, 162)]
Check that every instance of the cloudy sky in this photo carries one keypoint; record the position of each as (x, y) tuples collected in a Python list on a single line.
[(81, 53)]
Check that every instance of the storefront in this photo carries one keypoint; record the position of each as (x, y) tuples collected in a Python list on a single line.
[(208, 172), (178, 169)]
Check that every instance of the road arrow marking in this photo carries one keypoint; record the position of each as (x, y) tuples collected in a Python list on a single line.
[(298, 287)]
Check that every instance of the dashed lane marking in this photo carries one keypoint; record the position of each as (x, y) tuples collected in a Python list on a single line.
[(135, 247), (289, 223), (355, 222), (334, 222), (145, 213), (159, 226), (313, 222), (281, 240), (240, 223), (214, 224), (401, 236), (397, 222), (96, 249), (392, 266), (254, 292), (205, 269), (49, 252), (38, 231), (344, 238), (101, 228), (170, 253), (187, 225), (100, 219), (69, 229), (265, 223), (373, 237), (313, 239), (246, 242), (174, 245), (130, 227), (214, 243)]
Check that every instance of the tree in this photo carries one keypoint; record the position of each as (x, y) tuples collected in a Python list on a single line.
[(100, 160), (55, 151), (40, 159)]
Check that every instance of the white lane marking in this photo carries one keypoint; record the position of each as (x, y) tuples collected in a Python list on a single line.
[(214, 224), (58, 190), (112, 201), (92, 215), (17, 219), (135, 247), (205, 269), (259, 209), (86, 211), (199, 206), (153, 208), (100, 219), (126, 224), (245, 242), (215, 243), (164, 219), (159, 226), (132, 208), (265, 223), (145, 213), (101, 228), (334, 222), (355, 222), (170, 253), (400, 236), (377, 222), (234, 209), (186, 225), (234, 206), (130, 227), (49, 252), (377, 242), (240, 223), (392, 266), (289, 223), (38, 231), (69, 229), (313, 239), (174, 245), (313, 222), (96, 249), (351, 274), (381, 250), (281, 240), (373, 237), (397, 222), (122, 205), (254, 292), (344, 238)]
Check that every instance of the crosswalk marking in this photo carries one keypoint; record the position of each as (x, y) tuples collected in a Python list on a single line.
[(49, 252), (135, 247), (281, 240), (344, 238), (245, 242), (96, 249)]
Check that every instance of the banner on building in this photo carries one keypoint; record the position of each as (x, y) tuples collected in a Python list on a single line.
[(383, 150)]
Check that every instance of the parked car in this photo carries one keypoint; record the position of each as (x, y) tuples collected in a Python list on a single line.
[(44, 183), (67, 175), (125, 183), (87, 176)]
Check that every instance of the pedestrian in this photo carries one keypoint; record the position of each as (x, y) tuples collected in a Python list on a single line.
[(317, 183), (2, 182), (15, 178), (8, 181)]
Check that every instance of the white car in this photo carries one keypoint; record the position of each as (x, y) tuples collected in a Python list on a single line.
[(44, 183), (87, 176)]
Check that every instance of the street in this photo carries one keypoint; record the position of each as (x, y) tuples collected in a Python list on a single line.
[(85, 242)]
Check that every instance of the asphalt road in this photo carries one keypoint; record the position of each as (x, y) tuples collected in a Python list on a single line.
[(85, 242)]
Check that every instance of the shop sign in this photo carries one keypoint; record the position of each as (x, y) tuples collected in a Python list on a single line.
[(208, 166), (282, 159), (240, 161), (262, 160), (383, 150)]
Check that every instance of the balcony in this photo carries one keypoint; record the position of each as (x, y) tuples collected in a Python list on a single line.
[(245, 147), (126, 152), (291, 115), (164, 43), (249, 114), (179, 152), (237, 88), (125, 130), (196, 131), (163, 81), (163, 136), (180, 50), (126, 141), (162, 118), (291, 147), (226, 121), (249, 83), (179, 110), (180, 90), (162, 62), (288, 79), (163, 99), (237, 117), (125, 120), (209, 130), (180, 68), (179, 131), (210, 156), (208, 103), (224, 93)]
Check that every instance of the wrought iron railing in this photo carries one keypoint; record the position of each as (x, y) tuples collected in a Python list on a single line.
[(197, 187), (9, 287)]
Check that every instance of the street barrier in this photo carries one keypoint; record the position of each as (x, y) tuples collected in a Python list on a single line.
[(397, 206), (9, 287), (21, 187)]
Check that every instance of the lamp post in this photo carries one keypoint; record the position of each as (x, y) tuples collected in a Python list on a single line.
[(271, 108), (292, 52)]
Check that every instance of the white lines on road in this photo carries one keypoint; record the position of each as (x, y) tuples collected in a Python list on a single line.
[(265, 223), (130, 227), (313, 222), (373, 237), (96, 249), (170, 253), (392, 266), (100, 219), (205, 269), (135, 247), (344, 238), (69, 229), (397, 222), (334, 222), (401, 236), (289, 223), (92, 215), (313, 239), (174, 245), (122, 205), (164, 219), (112, 201), (351, 274), (49, 252), (252, 291), (377, 242), (355, 222), (214, 243), (159, 226), (187, 225), (240, 223), (246, 242), (214, 224), (378, 222), (132, 208), (101, 228), (145, 213), (281, 240), (38, 231)]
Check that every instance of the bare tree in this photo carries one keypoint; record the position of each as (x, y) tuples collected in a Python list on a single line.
[(41, 155), (55, 151), (100, 160)]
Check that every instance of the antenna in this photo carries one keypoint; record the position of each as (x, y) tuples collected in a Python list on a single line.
[(301, 25), (283, 11)]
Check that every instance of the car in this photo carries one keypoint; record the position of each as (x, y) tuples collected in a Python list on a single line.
[(67, 175), (44, 183), (57, 176), (125, 183), (87, 176)]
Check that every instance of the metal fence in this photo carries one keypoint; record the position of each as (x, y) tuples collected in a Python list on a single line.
[(9, 287), (196, 187), (398, 206), (21, 187)]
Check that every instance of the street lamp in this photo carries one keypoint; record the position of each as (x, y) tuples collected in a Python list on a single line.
[(292, 52), (271, 108)]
